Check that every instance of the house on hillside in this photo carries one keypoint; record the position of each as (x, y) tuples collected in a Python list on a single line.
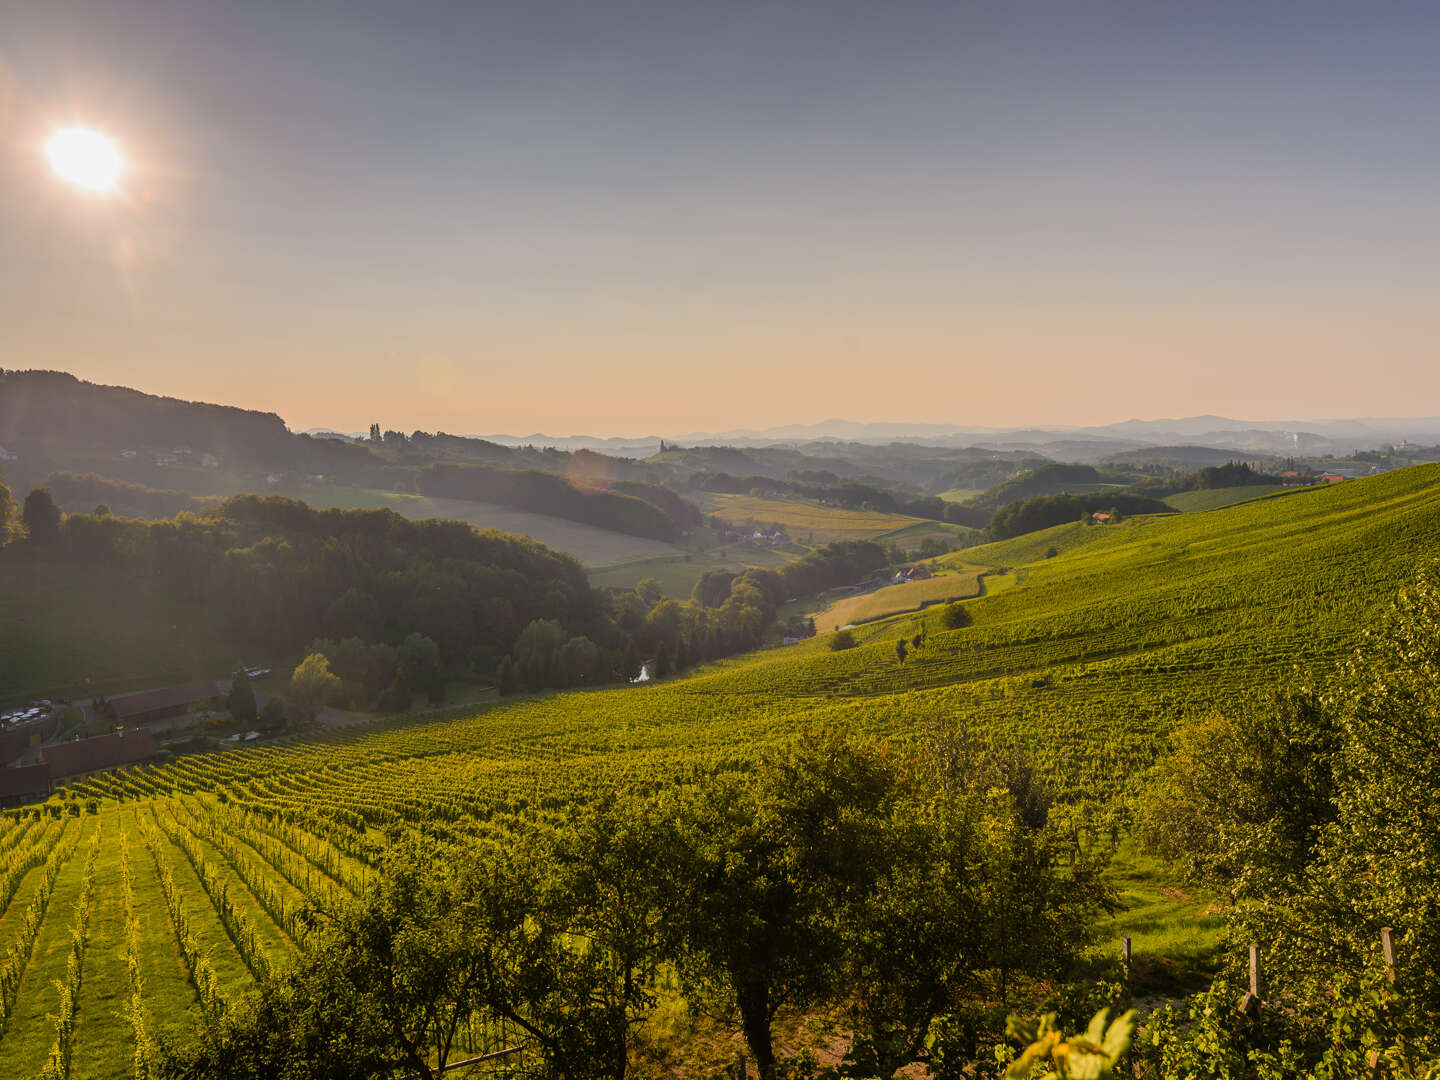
[(87, 757), (1332, 477), (150, 705), (911, 573), (1100, 517)]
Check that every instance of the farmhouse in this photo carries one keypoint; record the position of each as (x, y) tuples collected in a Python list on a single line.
[(161, 704), (1333, 478), (86, 757), (1100, 517), (911, 573)]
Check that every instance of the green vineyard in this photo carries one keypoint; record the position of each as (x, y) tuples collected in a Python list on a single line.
[(130, 903)]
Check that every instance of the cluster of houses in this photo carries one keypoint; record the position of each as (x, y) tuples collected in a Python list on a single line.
[(74, 760), (29, 772), (178, 455), (1295, 478), (760, 535)]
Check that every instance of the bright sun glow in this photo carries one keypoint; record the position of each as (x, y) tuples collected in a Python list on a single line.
[(85, 158)]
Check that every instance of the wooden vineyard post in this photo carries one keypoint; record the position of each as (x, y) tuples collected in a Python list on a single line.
[(1250, 1003), (1125, 954), (1387, 949)]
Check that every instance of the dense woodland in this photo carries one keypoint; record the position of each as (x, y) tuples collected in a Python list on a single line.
[(277, 575)]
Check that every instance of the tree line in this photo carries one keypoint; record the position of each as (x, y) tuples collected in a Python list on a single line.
[(1045, 511)]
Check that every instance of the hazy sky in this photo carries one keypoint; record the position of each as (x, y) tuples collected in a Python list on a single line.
[(620, 218)]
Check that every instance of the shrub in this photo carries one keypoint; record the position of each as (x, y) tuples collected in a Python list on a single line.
[(841, 640), (956, 615)]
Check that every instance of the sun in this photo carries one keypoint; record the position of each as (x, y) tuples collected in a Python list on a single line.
[(85, 158)]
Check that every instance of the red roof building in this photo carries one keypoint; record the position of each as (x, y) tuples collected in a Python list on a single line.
[(84, 757)]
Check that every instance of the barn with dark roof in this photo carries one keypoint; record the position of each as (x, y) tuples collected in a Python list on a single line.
[(163, 703)]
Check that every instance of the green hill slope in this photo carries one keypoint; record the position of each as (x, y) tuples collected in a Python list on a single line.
[(1089, 660)]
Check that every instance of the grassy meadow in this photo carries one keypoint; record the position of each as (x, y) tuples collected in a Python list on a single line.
[(804, 520), (592, 546), (895, 599), (1189, 502)]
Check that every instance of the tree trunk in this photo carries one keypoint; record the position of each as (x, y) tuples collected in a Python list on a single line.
[(754, 1002)]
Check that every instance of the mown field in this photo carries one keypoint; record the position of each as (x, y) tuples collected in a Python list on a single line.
[(1189, 502), (593, 547), (1087, 663), (895, 599), (805, 521)]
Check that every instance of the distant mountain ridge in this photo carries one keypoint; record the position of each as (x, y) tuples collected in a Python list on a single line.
[(44, 406), (1063, 442)]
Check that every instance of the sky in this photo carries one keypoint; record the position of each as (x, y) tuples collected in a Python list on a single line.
[(620, 219)]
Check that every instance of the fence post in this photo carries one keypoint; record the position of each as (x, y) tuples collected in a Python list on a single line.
[(1387, 949), (1255, 969), (1125, 953)]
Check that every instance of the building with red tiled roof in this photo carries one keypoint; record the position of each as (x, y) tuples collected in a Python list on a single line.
[(84, 757)]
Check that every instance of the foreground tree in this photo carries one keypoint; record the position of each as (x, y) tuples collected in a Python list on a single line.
[(763, 903)]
